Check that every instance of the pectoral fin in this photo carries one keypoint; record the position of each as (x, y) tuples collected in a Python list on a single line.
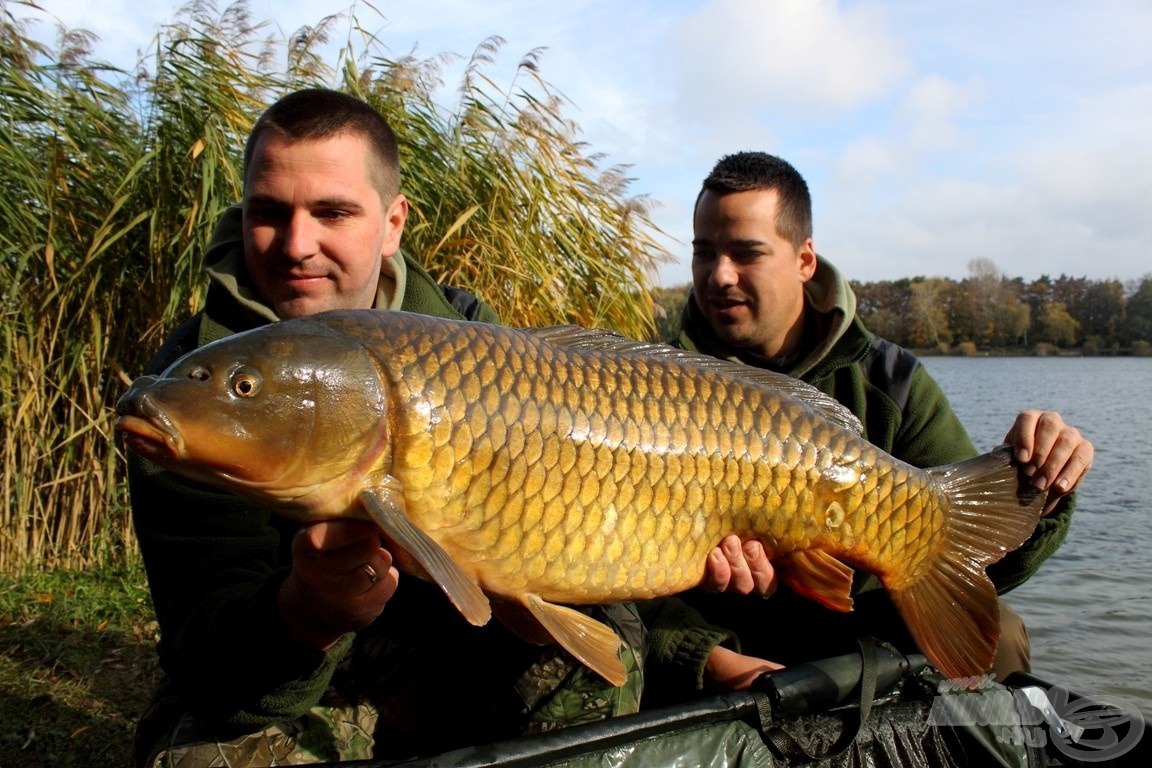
[(590, 641), (816, 574), (386, 508)]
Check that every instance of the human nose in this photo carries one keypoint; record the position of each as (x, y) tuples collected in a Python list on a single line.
[(723, 273), (299, 240)]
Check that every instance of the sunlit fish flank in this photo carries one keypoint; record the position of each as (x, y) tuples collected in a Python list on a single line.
[(562, 466)]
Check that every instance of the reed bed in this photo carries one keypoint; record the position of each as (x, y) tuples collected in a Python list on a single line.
[(111, 182)]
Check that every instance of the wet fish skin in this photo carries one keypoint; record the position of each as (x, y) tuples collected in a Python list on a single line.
[(563, 466)]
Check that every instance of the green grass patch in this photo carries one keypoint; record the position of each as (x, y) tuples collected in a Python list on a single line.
[(77, 665)]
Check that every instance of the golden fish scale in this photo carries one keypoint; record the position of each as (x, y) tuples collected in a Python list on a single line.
[(557, 473)]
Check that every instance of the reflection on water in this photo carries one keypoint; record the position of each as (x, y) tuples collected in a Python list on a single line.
[(1089, 609)]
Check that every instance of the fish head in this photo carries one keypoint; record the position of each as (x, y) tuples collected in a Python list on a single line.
[(292, 414)]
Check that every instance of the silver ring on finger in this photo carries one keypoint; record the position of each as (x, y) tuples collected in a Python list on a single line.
[(370, 572)]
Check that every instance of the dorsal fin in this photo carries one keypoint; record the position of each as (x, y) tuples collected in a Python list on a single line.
[(599, 341)]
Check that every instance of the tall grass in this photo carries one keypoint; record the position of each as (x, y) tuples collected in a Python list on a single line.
[(111, 182)]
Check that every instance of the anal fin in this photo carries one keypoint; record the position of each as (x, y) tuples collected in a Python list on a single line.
[(818, 575)]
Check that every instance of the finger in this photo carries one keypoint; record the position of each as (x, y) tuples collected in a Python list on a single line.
[(370, 573), (331, 535), (723, 565), (1021, 436), (741, 582), (332, 593), (760, 568), (1055, 445), (382, 578), (1050, 434), (1075, 468), (717, 572), (329, 558), (1071, 474)]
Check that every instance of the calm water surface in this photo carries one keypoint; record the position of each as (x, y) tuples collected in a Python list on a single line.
[(1089, 608)]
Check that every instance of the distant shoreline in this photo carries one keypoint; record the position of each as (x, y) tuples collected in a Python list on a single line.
[(1078, 352)]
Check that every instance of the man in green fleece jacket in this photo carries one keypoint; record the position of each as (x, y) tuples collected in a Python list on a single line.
[(762, 297), (282, 644)]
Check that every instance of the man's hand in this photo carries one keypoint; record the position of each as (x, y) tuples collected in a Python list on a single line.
[(341, 578), (726, 670), (1055, 455), (743, 569)]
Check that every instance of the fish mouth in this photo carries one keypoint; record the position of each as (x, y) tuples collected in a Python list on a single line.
[(152, 435)]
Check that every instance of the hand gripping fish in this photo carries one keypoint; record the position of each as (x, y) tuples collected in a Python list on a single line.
[(563, 466)]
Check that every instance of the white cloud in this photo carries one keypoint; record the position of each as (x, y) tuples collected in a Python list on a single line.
[(1027, 140), (929, 110), (866, 157), (789, 54)]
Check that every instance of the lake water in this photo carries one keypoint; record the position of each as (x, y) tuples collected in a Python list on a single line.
[(1089, 608)]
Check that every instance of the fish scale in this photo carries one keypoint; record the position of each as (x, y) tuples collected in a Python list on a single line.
[(631, 412), (559, 467)]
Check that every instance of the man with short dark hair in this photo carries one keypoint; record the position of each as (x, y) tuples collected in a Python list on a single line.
[(286, 645), (761, 296)]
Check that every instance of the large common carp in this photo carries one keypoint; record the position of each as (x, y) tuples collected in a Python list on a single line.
[(563, 466)]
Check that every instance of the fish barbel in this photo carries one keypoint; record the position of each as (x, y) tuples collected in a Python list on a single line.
[(556, 467)]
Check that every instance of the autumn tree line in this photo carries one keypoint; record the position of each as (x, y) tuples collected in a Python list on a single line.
[(989, 311)]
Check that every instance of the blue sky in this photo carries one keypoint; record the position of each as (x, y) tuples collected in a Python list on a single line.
[(931, 132)]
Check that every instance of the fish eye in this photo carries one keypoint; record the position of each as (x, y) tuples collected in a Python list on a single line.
[(245, 384)]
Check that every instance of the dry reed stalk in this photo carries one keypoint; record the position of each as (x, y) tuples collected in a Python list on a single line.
[(111, 183)]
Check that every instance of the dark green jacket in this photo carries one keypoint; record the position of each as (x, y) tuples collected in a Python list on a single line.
[(905, 413), (215, 562)]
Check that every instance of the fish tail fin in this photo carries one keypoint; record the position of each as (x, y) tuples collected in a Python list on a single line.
[(952, 610)]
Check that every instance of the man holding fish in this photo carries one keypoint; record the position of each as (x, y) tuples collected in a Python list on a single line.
[(762, 297), (263, 621)]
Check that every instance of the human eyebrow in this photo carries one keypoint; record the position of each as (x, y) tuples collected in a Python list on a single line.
[(265, 208), (742, 244), (264, 201), (748, 243), (323, 204), (337, 203)]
